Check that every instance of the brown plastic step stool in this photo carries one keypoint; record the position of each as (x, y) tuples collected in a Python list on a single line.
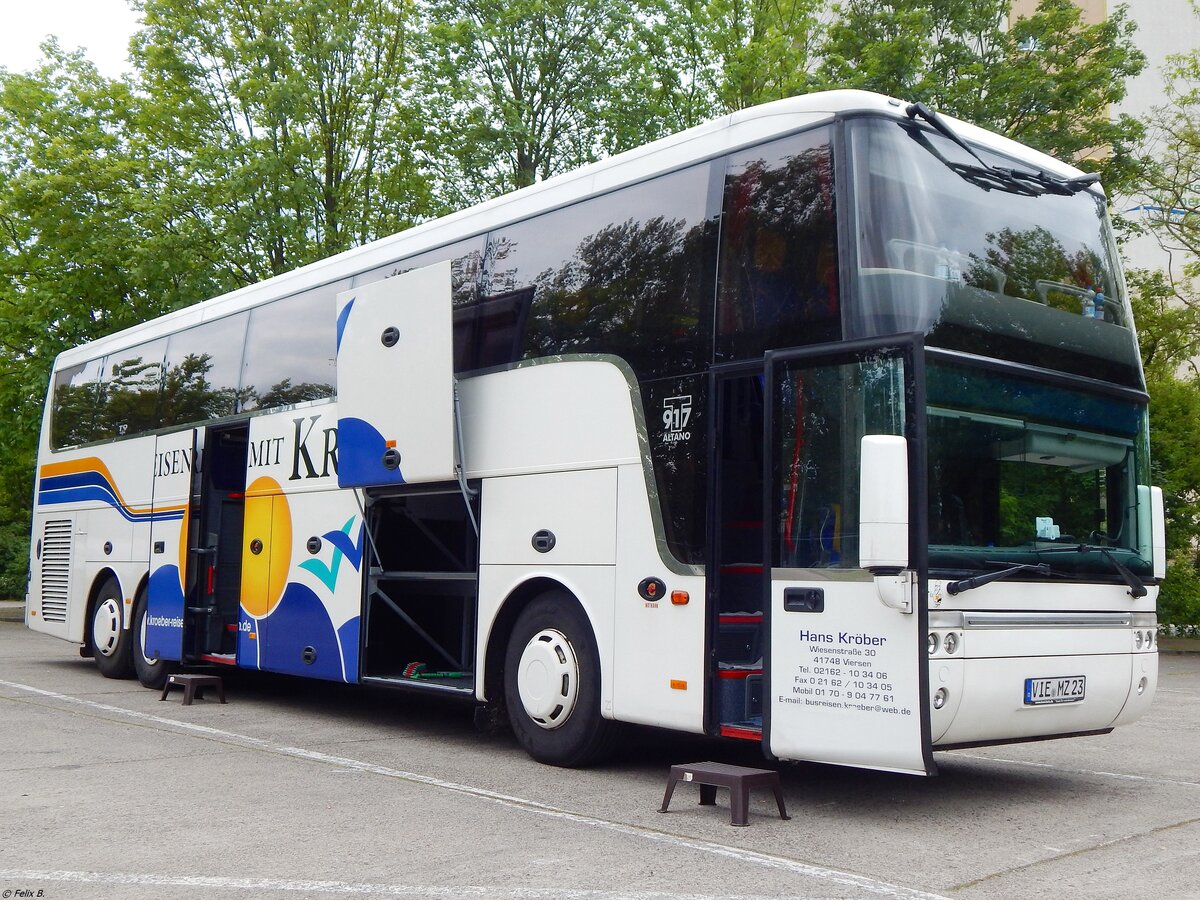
[(739, 780), (192, 686)]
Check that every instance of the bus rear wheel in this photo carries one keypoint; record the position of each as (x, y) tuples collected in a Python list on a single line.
[(152, 673), (552, 684), (108, 636)]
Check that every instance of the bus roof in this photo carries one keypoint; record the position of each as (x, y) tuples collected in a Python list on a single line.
[(745, 127)]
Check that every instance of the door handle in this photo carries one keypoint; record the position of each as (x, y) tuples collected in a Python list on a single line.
[(804, 599)]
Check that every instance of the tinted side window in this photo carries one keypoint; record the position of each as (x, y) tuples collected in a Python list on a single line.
[(290, 350), (203, 368), (73, 420), (465, 259), (778, 267), (129, 390), (623, 273)]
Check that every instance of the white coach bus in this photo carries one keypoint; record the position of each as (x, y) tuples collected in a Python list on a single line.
[(821, 425)]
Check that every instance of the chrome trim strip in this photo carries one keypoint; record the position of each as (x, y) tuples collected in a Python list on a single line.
[(1048, 620)]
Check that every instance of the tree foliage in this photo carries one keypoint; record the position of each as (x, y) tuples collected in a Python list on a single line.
[(1048, 80), (515, 91), (287, 121), (1168, 311), (1173, 179), (86, 245), (718, 56)]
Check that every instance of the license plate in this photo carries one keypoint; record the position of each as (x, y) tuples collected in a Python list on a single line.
[(1067, 689)]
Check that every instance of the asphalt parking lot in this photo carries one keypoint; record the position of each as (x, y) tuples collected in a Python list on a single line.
[(296, 788)]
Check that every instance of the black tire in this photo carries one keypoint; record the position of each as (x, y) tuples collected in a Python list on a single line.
[(558, 722), (108, 638), (152, 673)]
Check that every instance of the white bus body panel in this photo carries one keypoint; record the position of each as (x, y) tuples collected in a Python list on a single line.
[(578, 508), (396, 380), (105, 495), (582, 434), (1064, 631), (660, 679), (574, 414)]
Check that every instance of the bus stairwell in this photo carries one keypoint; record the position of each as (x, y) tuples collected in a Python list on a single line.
[(213, 600), (738, 589)]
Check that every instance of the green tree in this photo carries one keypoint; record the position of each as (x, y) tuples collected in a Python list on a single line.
[(1049, 80), (1168, 322), (1173, 143), (515, 91), (87, 246), (718, 56), (1168, 311), (287, 120)]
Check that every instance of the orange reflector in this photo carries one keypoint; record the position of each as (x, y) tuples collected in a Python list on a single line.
[(391, 445), (253, 635), (678, 685), (680, 598), (33, 612)]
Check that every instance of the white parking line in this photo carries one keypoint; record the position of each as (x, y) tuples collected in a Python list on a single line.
[(750, 857), (1122, 776), (259, 885)]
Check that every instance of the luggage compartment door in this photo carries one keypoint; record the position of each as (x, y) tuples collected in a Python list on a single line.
[(396, 380)]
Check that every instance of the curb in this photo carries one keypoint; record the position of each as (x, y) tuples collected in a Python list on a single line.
[(12, 612), (1179, 646)]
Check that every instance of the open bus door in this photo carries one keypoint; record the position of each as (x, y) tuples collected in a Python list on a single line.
[(845, 664), (171, 527)]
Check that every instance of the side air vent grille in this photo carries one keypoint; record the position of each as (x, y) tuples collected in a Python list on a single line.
[(56, 569)]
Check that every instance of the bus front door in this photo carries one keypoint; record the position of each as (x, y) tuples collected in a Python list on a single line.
[(845, 669)]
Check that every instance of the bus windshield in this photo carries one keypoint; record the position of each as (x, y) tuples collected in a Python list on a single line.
[(1024, 471), (995, 266)]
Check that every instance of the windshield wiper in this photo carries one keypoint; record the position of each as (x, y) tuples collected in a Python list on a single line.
[(967, 584), (1136, 588), (1032, 184)]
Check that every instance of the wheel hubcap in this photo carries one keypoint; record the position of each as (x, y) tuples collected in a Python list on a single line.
[(548, 678), (106, 626)]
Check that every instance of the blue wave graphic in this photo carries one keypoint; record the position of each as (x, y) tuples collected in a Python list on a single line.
[(83, 486)]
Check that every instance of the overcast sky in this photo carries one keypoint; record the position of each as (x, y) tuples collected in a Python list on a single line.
[(101, 27)]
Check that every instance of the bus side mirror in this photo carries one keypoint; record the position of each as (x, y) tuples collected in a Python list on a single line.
[(883, 504), (1158, 532)]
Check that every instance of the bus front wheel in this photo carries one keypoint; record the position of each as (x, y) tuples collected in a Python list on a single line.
[(108, 636), (552, 684)]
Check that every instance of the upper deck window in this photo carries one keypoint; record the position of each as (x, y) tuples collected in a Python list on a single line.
[(981, 264), (622, 273), (778, 267)]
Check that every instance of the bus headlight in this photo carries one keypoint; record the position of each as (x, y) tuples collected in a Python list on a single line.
[(1138, 639), (951, 642), (942, 695), (933, 642), (1142, 685)]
